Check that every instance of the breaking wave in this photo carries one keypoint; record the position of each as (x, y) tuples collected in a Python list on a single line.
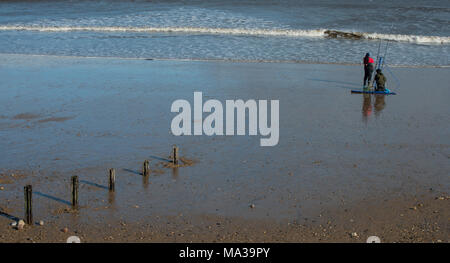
[(326, 33)]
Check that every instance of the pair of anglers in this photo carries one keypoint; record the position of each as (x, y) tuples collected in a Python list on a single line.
[(379, 79)]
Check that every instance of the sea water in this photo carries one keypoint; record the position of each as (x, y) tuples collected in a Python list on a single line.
[(408, 33)]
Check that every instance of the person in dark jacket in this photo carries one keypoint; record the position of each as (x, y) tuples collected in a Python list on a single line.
[(380, 79), (368, 69)]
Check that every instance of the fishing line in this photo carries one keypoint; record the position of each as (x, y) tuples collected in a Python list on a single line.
[(397, 81)]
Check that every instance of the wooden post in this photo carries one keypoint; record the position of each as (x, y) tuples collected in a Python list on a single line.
[(112, 179), (28, 205), (175, 155), (75, 192), (146, 168)]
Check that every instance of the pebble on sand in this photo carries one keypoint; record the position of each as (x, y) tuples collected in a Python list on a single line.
[(2, 188), (20, 224), (252, 206), (41, 223), (65, 230), (354, 234)]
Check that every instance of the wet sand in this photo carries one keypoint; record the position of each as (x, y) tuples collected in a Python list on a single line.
[(355, 163)]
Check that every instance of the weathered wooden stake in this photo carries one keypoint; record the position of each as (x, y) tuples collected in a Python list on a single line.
[(112, 179), (146, 168), (75, 192), (28, 205), (175, 155)]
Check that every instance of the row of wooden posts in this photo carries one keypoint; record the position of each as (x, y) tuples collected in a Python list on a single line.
[(74, 179)]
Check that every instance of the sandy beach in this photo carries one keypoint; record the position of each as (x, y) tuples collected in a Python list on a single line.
[(347, 166)]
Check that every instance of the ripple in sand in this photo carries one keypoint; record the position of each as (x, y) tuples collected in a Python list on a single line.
[(25, 116), (55, 119)]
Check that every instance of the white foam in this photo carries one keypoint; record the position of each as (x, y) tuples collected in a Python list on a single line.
[(232, 31), (197, 30), (409, 38)]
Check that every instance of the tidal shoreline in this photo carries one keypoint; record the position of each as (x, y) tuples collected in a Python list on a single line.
[(338, 155), (223, 60)]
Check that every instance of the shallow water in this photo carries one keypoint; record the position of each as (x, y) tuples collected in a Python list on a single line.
[(83, 116)]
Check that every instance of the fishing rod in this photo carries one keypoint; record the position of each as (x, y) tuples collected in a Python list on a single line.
[(397, 81), (378, 53), (386, 48), (381, 61), (376, 65), (385, 51)]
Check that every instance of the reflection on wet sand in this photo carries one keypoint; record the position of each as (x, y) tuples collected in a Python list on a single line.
[(377, 107), (379, 103), (175, 173), (367, 106), (145, 181), (111, 197)]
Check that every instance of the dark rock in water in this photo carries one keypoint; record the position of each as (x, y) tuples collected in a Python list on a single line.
[(340, 34)]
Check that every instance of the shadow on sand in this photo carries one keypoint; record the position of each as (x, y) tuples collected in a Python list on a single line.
[(52, 198), (94, 184), (160, 158), (132, 171), (11, 217)]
